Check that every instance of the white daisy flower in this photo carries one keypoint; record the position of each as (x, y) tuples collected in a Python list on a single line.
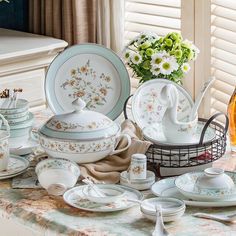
[(168, 65), (155, 70), (136, 58), (185, 67), (127, 55), (157, 58)]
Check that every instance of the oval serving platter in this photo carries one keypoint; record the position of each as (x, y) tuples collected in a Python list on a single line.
[(89, 71)]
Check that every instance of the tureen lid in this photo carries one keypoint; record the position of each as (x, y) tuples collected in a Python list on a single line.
[(79, 124)]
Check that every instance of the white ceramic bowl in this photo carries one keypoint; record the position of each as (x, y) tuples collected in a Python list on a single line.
[(112, 192), (57, 175), (139, 184), (172, 209), (214, 178)]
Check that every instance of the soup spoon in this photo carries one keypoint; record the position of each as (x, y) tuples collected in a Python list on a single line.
[(227, 218)]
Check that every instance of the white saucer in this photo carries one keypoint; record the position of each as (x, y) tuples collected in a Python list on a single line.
[(25, 149), (155, 134), (16, 166), (167, 188)]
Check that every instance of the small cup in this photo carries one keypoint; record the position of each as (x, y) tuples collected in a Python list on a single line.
[(138, 166), (4, 146)]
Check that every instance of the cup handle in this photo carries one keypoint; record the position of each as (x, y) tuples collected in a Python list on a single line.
[(5, 122), (114, 152)]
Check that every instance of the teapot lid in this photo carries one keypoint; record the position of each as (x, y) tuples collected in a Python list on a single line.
[(79, 123)]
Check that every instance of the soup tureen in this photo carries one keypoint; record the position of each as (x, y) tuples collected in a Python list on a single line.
[(82, 136)]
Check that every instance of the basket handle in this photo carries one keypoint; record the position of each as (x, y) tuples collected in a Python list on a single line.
[(209, 122), (125, 107)]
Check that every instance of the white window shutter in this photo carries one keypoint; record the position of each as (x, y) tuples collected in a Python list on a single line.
[(223, 53)]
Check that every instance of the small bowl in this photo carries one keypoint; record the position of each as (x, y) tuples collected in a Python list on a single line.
[(139, 184), (214, 178), (16, 115), (172, 209), (57, 175), (113, 193), (21, 106)]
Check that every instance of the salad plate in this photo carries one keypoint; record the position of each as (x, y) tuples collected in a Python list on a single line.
[(147, 108), (75, 197), (90, 72), (167, 188), (155, 134), (17, 165)]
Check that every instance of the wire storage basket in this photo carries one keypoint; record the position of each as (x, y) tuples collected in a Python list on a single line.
[(189, 155)]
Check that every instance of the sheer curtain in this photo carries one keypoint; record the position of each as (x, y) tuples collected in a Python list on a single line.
[(71, 20), (110, 23)]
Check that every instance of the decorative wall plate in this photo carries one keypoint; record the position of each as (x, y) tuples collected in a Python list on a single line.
[(167, 188), (154, 134), (76, 198), (91, 72), (16, 166), (146, 107)]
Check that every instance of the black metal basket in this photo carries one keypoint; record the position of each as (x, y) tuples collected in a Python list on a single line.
[(179, 156)]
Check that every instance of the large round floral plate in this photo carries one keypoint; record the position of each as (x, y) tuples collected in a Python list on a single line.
[(17, 165), (166, 188), (76, 198), (146, 106), (91, 72)]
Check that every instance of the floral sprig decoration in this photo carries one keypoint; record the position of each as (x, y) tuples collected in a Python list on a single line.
[(151, 56)]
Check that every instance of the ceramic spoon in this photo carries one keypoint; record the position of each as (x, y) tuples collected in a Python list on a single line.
[(226, 218), (94, 187), (200, 97), (160, 229)]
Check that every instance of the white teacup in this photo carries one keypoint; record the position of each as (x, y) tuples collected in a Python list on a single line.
[(4, 146)]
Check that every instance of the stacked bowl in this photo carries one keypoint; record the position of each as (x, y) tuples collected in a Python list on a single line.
[(20, 120)]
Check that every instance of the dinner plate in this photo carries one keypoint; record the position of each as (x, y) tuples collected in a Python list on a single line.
[(90, 72), (76, 198), (146, 106), (155, 134), (17, 165), (167, 188)]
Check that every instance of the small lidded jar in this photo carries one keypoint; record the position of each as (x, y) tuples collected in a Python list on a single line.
[(138, 166)]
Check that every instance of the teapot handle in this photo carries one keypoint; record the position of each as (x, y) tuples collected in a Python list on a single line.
[(5, 122), (209, 122)]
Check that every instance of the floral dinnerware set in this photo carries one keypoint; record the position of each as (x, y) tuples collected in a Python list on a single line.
[(86, 87)]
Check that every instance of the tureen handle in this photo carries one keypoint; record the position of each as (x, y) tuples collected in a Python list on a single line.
[(78, 105)]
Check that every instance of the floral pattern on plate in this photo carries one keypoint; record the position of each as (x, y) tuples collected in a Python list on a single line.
[(4, 148), (64, 126), (16, 164), (76, 198), (146, 106), (81, 84), (76, 147)]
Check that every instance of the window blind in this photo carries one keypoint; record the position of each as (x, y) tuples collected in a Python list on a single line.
[(156, 16), (223, 53)]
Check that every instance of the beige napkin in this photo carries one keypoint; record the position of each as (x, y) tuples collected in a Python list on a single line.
[(108, 169)]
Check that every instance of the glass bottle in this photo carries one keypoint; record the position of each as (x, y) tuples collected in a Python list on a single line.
[(232, 121)]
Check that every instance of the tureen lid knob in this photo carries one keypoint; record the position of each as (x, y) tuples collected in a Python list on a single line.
[(79, 104)]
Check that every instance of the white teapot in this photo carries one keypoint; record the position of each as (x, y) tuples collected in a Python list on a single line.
[(174, 130)]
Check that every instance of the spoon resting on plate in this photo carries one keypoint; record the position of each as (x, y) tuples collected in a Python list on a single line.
[(199, 98)]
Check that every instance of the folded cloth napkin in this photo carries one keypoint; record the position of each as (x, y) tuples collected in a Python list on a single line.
[(108, 169)]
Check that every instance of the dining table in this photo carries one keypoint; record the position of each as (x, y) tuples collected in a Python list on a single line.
[(32, 211)]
